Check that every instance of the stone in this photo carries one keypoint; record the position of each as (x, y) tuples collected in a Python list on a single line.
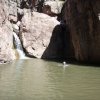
[(20, 12), (12, 18), (47, 10), (82, 19), (36, 34), (7, 53), (56, 5), (15, 28)]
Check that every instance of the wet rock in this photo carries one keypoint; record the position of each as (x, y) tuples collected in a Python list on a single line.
[(15, 28)]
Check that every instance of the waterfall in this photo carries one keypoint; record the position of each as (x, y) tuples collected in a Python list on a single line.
[(18, 46)]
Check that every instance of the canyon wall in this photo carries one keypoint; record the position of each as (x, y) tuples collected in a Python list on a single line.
[(76, 36), (6, 37), (35, 30), (82, 18)]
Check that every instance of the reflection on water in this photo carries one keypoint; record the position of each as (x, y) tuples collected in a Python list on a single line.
[(34, 79)]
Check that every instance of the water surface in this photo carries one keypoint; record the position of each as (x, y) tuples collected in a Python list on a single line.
[(34, 79)]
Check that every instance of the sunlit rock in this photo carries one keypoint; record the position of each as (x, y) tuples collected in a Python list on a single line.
[(36, 32)]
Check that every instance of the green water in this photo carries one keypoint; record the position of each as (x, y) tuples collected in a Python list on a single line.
[(42, 80)]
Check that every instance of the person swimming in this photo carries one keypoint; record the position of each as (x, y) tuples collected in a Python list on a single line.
[(64, 64)]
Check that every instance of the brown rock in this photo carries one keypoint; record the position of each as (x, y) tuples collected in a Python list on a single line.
[(82, 18)]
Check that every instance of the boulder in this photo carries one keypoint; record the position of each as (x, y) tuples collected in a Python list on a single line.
[(39, 35), (56, 5), (7, 53), (46, 9), (83, 20)]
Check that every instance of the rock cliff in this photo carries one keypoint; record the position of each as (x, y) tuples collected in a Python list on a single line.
[(6, 37), (75, 36), (83, 20), (34, 28), (35, 32)]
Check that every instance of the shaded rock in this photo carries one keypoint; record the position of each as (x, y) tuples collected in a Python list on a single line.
[(12, 18), (82, 18), (47, 10), (36, 31), (52, 8), (29, 4), (59, 42)]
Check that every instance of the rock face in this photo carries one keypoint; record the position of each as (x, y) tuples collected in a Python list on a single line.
[(43, 36), (83, 20), (55, 5), (6, 45), (47, 10), (39, 36), (35, 30), (6, 38)]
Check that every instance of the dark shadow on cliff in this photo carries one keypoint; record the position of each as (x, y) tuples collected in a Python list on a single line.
[(59, 46)]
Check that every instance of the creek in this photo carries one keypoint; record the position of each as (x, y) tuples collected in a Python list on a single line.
[(35, 79)]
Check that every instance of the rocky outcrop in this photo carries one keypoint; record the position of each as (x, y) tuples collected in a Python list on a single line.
[(7, 53), (83, 20), (56, 5), (6, 40), (7, 13), (43, 36), (47, 10), (35, 30), (36, 33)]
